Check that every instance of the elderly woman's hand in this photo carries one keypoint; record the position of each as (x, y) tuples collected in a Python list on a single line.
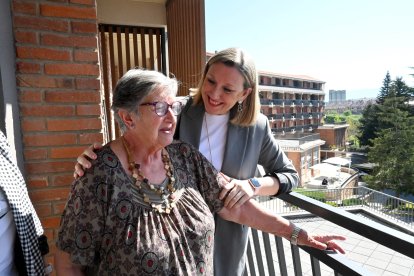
[(322, 242), (83, 159), (236, 192)]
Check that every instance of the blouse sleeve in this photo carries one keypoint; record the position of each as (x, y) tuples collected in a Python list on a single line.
[(82, 221)]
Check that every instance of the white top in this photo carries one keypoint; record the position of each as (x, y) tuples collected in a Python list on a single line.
[(213, 138), (7, 237)]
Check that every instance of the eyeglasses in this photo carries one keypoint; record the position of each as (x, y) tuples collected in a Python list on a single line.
[(161, 108)]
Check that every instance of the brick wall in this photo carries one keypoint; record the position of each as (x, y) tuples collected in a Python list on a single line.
[(59, 95), (328, 135)]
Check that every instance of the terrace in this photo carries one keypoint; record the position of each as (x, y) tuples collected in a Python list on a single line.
[(379, 230), (70, 103)]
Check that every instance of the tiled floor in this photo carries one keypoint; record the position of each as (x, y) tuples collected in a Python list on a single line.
[(373, 257)]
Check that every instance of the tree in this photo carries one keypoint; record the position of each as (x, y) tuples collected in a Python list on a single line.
[(334, 118), (385, 89), (353, 130), (347, 113), (400, 94), (368, 125), (403, 93), (401, 90), (393, 150)]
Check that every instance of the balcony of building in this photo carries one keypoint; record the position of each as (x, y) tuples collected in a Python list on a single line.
[(289, 87), (291, 102)]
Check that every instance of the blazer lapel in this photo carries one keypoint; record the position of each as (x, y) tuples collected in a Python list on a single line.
[(234, 154), (193, 120)]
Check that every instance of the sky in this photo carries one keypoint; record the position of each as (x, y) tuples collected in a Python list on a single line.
[(349, 44)]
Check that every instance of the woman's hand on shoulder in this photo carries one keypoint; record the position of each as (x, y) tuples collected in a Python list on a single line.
[(236, 192), (83, 162)]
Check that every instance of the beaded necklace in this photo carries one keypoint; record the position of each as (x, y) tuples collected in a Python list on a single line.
[(166, 195)]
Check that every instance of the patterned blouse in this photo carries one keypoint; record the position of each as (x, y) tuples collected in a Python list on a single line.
[(107, 228)]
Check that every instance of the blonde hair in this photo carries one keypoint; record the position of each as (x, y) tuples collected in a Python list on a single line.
[(237, 58)]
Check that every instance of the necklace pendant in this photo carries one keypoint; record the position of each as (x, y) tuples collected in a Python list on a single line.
[(146, 199), (165, 194)]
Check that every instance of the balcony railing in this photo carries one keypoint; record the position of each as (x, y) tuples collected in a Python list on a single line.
[(292, 102), (264, 250)]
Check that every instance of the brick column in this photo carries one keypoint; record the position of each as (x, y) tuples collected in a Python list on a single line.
[(59, 96)]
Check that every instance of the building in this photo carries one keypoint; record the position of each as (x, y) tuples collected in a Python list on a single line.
[(295, 108), (335, 137), (292, 103), (337, 96)]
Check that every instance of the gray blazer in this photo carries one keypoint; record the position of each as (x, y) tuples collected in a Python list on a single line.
[(246, 147)]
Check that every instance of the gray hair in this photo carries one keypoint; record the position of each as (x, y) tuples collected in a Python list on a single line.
[(134, 86)]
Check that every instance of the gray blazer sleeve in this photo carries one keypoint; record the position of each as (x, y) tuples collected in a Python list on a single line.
[(274, 160)]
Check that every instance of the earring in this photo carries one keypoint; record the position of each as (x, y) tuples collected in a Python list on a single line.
[(240, 106)]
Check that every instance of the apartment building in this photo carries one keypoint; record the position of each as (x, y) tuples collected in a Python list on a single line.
[(337, 96), (295, 107), (292, 103)]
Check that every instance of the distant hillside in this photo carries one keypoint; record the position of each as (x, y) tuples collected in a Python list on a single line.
[(361, 93)]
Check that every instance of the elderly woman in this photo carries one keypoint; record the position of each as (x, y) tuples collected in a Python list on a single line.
[(147, 203)]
